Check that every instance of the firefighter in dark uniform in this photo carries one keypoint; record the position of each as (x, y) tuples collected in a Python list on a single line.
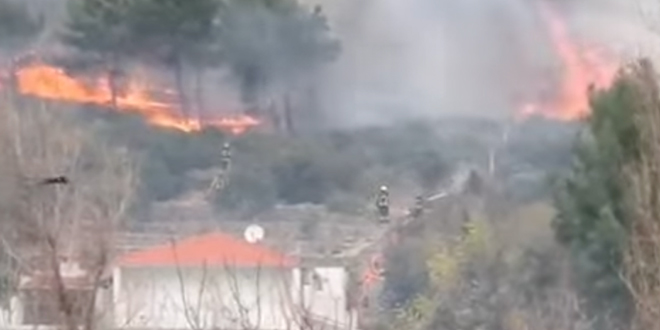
[(418, 208), (225, 155), (383, 204), (219, 180)]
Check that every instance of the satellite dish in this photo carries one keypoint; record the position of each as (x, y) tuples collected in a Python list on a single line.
[(254, 233)]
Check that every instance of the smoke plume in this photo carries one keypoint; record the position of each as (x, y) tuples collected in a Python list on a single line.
[(433, 58)]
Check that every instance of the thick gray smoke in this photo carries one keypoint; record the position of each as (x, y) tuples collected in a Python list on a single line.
[(630, 27), (405, 59), (428, 58)]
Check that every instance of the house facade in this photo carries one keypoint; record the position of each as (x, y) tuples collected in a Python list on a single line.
[(216, 281), (35, 301), (323, 291)]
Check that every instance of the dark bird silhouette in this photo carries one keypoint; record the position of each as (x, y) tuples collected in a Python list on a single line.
[(55, 180)]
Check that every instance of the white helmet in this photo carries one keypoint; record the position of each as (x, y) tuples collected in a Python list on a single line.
[(383, 188)]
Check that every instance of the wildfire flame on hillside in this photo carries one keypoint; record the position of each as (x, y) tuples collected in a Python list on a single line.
[(48, 82), (583, 69)]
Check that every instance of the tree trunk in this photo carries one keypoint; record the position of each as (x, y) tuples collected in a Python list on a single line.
[(113, 73), (61, 295), (276, 119), (14, 89), (178, 76), (310, 118), (251, 90), (112, 81), (288, 115), (199, 91), (16, 98), (90, 310)]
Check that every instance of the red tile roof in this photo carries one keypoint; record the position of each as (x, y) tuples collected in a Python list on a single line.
[(215, 249)]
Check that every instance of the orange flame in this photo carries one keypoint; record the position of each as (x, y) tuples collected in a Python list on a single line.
[(582, 70), (52, 83)]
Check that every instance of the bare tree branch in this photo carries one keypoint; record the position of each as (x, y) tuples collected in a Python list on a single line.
[(51, 218)]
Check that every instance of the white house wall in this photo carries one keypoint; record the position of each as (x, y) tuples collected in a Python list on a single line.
[(327, 302), (203, 298)]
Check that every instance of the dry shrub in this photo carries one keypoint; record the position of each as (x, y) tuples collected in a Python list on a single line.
[(642, 258)]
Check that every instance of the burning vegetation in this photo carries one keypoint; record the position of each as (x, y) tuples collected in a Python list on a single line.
[(582, 70), (52, 83)]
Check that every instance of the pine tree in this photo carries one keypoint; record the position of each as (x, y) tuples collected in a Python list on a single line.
[(592, 221), (269, 43), (100, 30), (175, 33), (17, 25)]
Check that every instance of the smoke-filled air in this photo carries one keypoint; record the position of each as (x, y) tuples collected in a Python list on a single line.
[(480, 58), (329, 164)]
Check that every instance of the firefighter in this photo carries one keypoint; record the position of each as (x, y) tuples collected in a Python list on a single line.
[(418, 208), (225, 155), (219, 180), (468, 228), (383, 203), (474, 184)]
